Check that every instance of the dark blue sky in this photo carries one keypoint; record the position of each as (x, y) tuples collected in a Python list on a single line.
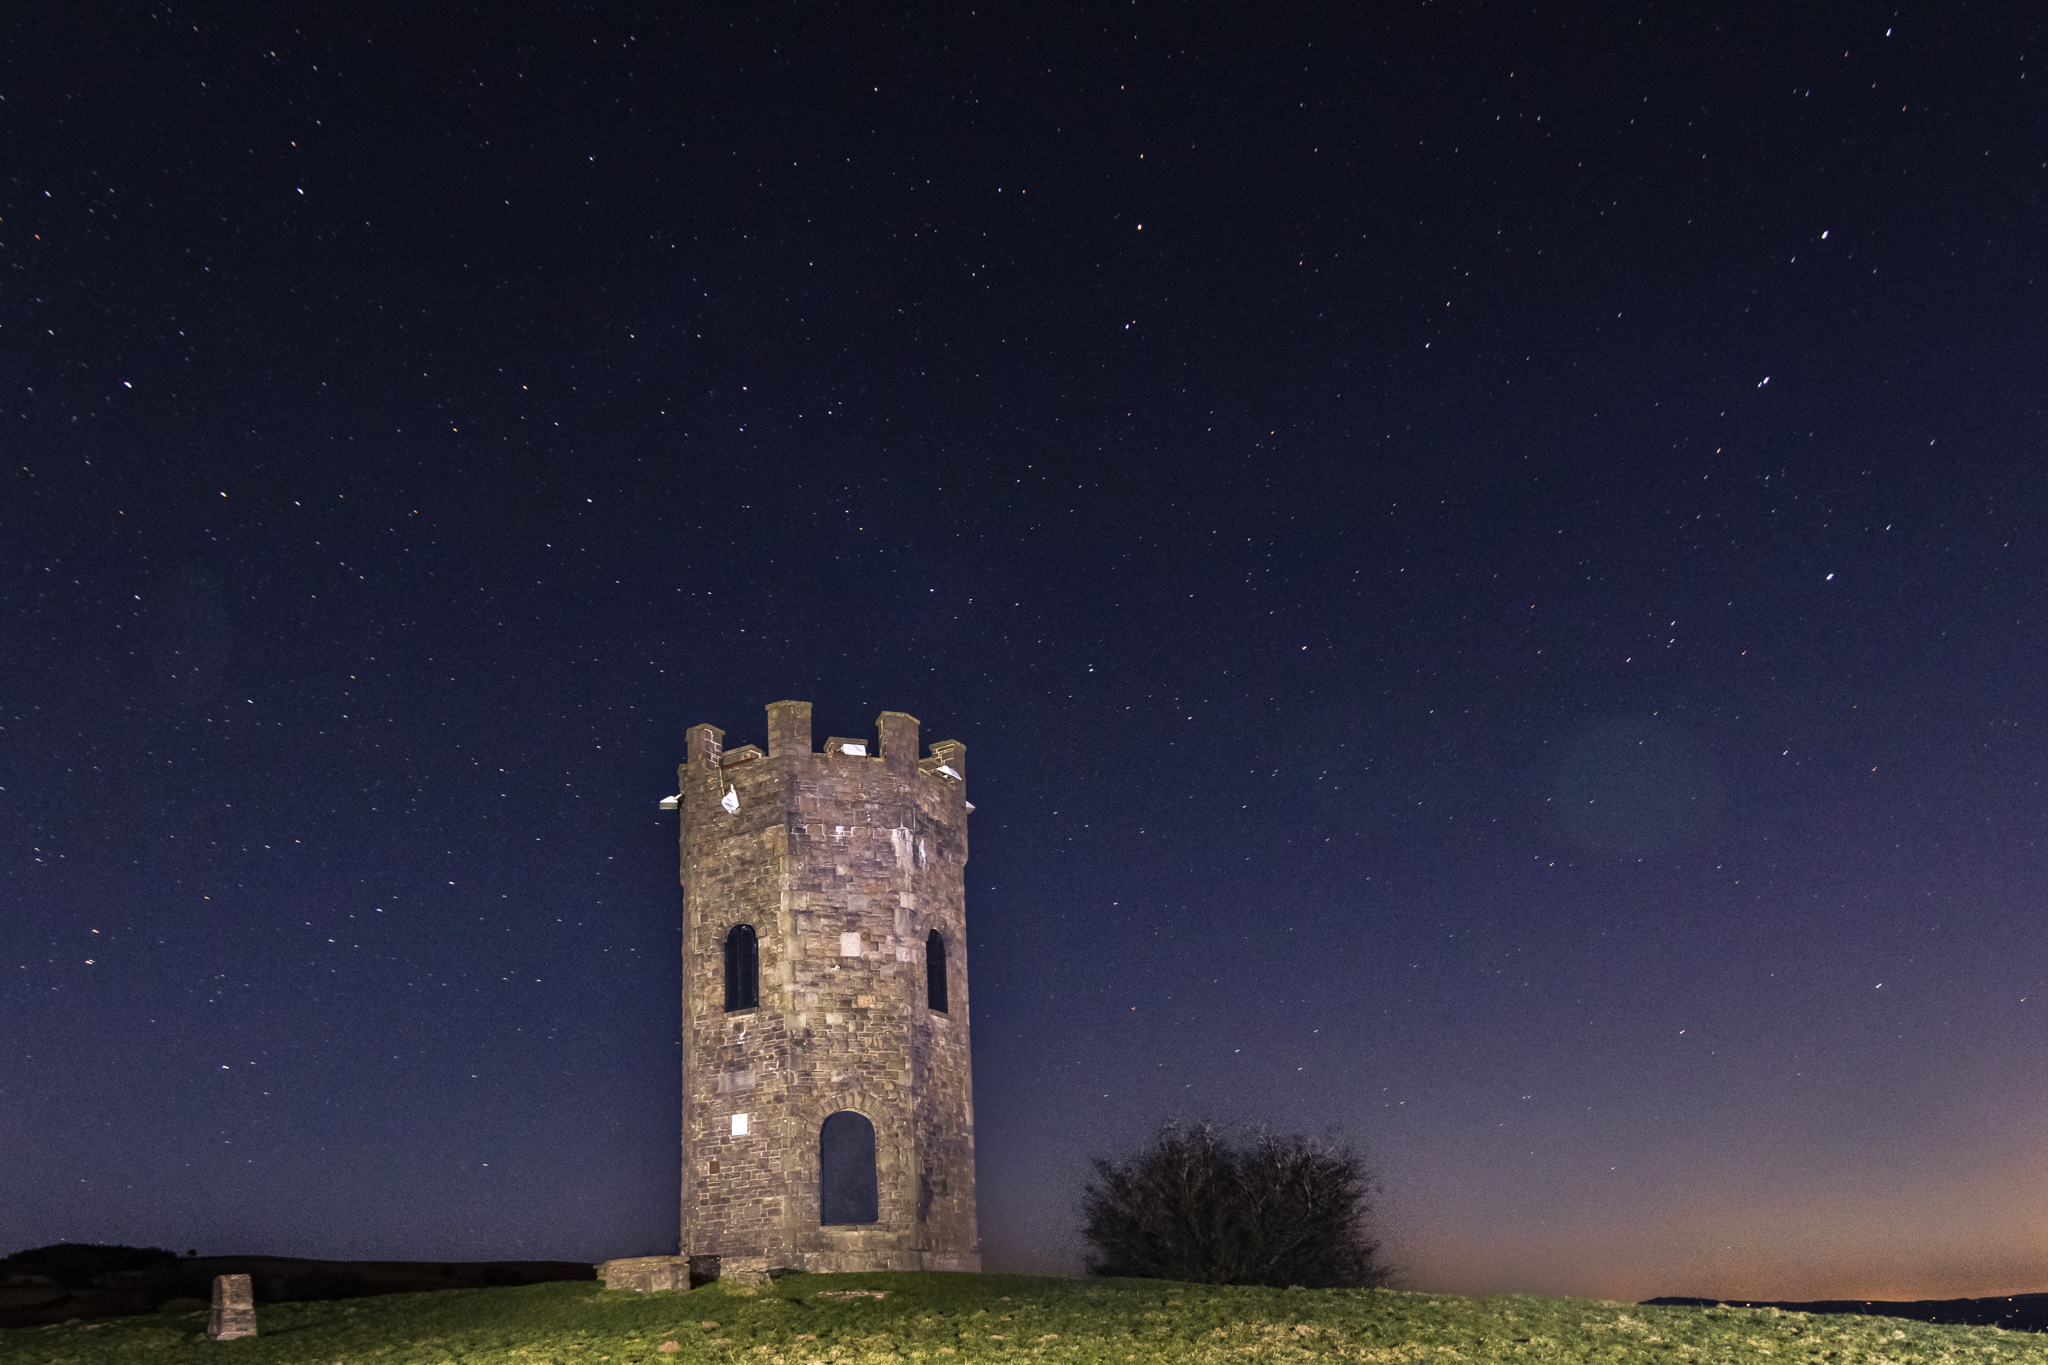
[(1488, 561)]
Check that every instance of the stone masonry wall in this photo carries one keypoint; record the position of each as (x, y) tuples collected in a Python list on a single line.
[(842, 864)]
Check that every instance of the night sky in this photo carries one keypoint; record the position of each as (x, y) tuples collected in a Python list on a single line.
[(1489, 562)]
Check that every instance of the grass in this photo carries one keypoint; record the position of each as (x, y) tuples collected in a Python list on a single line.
[(948, 1319)]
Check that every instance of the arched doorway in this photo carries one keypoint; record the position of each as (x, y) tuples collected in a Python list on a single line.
[(847, 1189)]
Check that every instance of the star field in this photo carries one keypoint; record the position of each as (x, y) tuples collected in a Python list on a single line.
[(1487, 562)]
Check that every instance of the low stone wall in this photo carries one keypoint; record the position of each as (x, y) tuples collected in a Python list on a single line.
[(646, 1274), (651, 1274), (968, 1262)]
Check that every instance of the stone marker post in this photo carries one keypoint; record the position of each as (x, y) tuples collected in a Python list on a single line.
[(234, 1308)]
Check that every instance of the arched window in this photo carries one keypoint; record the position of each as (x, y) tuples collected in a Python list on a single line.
[(742, 969), (935, 971), (847, 1192)]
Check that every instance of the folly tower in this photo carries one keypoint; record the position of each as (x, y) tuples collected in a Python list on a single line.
[(828, 1099)]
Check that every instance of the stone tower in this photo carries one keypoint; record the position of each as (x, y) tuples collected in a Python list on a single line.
[(828, 1098)]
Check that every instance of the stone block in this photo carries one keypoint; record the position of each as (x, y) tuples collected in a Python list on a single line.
[(234, 1308), (647, 1274), (965, 1261), (742, 1270)]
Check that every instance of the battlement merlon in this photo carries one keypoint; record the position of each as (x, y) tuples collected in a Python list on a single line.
[(706, 746), (948, 753), (897, 731), (789, 728), (789, 735)]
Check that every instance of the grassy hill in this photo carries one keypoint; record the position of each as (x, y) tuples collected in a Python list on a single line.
[(946, 1319)]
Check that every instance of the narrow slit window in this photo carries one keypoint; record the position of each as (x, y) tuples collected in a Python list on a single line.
[(742, 968), (847, 1189), (935, 971)]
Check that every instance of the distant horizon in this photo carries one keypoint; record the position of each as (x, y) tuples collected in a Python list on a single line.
[(1077, 1273)]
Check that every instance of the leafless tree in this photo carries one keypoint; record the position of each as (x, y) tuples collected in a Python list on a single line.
[(1279, 1210)]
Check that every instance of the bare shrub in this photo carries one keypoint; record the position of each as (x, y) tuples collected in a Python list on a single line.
[(1279, 1210)]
